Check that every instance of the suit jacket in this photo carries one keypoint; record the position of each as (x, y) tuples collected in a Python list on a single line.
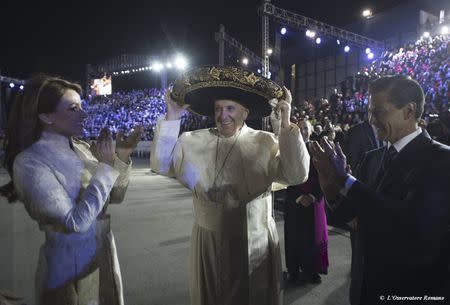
[(358, 140), (403, 236), (445, 139)]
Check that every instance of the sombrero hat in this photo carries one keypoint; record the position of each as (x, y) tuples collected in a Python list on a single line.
[(201, 87)]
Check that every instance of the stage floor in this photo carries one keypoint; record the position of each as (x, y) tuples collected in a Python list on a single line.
[(152, 229)]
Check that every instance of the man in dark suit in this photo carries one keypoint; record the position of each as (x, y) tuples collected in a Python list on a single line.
[(401, 199), (359, 139), (444, 119)]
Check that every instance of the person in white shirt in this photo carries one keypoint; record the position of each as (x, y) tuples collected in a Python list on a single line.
[(235, 255)]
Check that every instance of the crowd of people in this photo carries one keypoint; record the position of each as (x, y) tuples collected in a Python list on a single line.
[(122, 110), (427, 61)]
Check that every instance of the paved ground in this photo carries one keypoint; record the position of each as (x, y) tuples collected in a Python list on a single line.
[(152, 229)]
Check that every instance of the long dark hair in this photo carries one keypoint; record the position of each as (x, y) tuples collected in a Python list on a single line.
[(42, 94)]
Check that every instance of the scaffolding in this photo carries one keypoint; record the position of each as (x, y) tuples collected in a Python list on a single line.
[(301, 22)]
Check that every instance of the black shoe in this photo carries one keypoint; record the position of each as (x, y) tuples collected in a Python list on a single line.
[(313, 278), (294, 280), (292, 277)]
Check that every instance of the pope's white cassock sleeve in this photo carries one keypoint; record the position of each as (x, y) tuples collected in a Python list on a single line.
[(284, 159)]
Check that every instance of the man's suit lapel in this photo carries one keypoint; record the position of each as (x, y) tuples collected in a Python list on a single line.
[(409, 159)]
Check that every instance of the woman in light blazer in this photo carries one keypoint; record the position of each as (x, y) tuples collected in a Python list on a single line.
[(66, 185)]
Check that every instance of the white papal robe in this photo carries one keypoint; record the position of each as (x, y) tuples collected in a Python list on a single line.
[(65, 189), (235, 256)]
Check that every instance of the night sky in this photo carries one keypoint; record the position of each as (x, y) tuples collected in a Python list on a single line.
[(61, 37)]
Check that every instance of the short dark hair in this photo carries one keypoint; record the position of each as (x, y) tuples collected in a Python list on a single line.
[(444, 117), (400, 91)]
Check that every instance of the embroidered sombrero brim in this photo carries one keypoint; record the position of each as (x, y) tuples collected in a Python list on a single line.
[(201, 87)]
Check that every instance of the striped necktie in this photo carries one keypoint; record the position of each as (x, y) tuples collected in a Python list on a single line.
[(389, 156)]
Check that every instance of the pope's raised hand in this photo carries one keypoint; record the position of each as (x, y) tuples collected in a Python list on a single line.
[(174, 111), (284, 107)]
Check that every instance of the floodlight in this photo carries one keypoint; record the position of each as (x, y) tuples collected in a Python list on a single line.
[(367, 13), (180, 62)]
